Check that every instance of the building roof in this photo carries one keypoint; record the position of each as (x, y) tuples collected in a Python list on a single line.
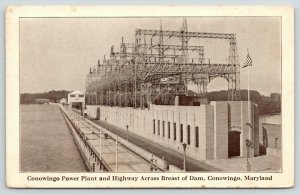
[(76, 93)]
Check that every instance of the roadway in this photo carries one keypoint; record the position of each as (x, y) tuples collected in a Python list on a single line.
[(171, 156), (116, 158)]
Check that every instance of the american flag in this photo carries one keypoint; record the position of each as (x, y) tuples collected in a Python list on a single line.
[(248, 61)]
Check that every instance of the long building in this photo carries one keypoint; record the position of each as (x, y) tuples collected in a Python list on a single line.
[(214, 131), (143, 89)]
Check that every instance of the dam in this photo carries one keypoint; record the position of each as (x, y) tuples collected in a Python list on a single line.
[(141, 93), (139, 114), (106, 149)]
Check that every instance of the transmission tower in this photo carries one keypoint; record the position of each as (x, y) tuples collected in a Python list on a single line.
[(135, 76)]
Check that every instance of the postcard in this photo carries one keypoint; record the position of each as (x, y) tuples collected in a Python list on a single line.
[(150, 97)]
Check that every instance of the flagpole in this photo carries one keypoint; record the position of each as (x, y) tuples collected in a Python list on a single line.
[(249, 102), (249, 117)]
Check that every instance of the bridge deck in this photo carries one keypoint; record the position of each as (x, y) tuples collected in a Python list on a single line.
[(128, 161), (171, 156)]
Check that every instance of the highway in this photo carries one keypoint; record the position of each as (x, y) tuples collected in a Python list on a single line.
[(171, 156)]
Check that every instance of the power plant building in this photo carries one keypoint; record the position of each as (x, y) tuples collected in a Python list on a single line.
[(214, 131), (143, 89)]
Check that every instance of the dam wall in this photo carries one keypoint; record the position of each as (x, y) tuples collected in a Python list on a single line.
[(214, 131)]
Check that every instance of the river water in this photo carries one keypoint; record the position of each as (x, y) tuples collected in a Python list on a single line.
[(46, 142)]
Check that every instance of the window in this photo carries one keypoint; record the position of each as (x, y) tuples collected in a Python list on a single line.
[(197, 137), (72, 95), (153, 125), (81, 95), (181, 132), (276, 142), (163, 128), (158, 127), (188, 135), (169, 130), (174, 126)]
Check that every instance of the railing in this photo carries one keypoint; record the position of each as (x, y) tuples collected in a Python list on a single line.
[(93, 158)]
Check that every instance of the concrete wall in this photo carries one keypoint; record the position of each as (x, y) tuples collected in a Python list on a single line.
[(274, 135), (242, 113), (220, 130), (268, 133), (141, 122), (255, 115), (213, 122), (210, 132)]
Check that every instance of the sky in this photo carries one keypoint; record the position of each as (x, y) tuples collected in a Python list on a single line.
[(56, 53)]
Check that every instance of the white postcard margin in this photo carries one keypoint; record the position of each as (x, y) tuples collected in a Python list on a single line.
[(20, 180)]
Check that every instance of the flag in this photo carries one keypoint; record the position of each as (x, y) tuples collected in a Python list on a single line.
[(248, 61)]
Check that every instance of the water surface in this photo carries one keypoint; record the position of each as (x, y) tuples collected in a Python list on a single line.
[(46, 142)]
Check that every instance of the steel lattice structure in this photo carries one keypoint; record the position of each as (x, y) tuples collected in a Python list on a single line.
[(133, 76)]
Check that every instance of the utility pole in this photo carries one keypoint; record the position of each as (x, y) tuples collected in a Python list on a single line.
[(117, 154), (100, 145), (151, 161), (184, 156), (127, 132), (248, 144)]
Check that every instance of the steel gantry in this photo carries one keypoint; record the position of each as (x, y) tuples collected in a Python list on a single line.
[(149, 71)]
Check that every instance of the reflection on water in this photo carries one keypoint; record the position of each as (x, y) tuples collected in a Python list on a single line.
[(46, 142)]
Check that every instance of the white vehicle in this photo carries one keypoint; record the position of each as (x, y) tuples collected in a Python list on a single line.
[(169, 80)]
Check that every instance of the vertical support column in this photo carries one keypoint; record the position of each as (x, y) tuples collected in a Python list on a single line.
[(228, 83), (96, 102), (101, 96), (135, 88), (137, 53), (93, 101), (220, 130), (246, 129), (148, 96), (100, 148), (117, 153), (109, 94), (161, 44), (142, 95), (125, 99), (100, 144), (106, 97), (255, 129), (184, 42), (115, 95), (242, 141), (93, 167), (234, 61), (120, 95)]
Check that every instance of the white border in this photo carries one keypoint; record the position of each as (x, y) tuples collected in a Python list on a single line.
[(17, 179)]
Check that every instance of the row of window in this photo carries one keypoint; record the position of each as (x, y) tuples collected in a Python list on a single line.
[(75, 95), (174, 132)]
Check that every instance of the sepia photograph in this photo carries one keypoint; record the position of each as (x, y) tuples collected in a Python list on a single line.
[(161, 94)]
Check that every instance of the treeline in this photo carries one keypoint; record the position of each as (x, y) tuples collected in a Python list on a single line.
[(55, 96), (266, 105)]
